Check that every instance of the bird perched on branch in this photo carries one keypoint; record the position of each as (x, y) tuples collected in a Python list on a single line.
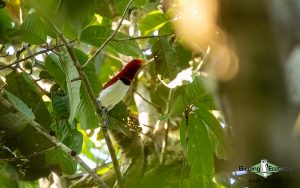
[(117, 87)]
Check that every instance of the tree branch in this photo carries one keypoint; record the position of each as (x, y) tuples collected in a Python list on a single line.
[(31, 56), (142, 37), (28, 156), (147, 101), (93, 99), (110, 37)]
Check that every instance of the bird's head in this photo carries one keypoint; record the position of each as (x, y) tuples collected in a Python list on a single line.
[(131, 69)]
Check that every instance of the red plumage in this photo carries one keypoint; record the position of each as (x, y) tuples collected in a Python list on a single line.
[(128, 72)]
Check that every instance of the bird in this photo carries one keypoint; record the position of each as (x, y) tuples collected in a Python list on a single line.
[(117, 87)]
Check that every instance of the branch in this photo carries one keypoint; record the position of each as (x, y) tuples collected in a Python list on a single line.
[(28, 156), (147, 101), (93, 99), (110, 37), (3, 46), (31, 56), (167, 126), (142, 37)]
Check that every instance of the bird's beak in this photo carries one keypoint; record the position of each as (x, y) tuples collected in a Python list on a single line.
[(143, 63)]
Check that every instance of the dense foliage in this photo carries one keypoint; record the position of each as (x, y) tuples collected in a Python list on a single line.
[(167, 132)]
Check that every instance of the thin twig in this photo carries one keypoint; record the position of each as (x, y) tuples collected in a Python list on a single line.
[(7, 54), (79, 175), (147, 101), (110, 37), (167, 126), (28, 156), (142, 37), (31, 56), (93, 99), (3, 46)]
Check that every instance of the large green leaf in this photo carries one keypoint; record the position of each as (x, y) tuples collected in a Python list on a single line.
[(68, 134), (153, 21), (54, 68), (165, 58), (60, 105), (193, 94), (20, 106), (5, 23), (197, 95), (73, 86), (8, 176), (57, 158), (86, 113), (216, 132), (120, 5), (22, 86), (89, 70), (108, 67), (33, 30), (199, 151), (96, 35), (184, 54)]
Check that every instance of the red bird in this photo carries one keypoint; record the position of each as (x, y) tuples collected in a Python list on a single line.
[(117, 87)]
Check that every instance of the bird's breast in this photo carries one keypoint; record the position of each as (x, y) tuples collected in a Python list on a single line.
[(113, 94)]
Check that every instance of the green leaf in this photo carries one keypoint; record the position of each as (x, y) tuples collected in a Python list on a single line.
[(184, 55), (96, 35), (165, 58), (54, 68), (89, 70), (28, 184), (68, 135), (86, 113), (194, 91), (155, 20), (197, 95), (120, 5), (57, 158), (8, 176), (45, 75), (108, 68), (73, 86), (22, 86), (216, 132), (20, 106), (199, 152), (61, 106), (179, 107), (33, 30), (5, 24)]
